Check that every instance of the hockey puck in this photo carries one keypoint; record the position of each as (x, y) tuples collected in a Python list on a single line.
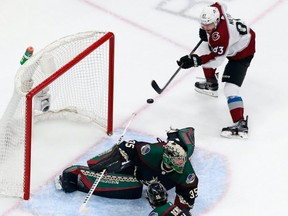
[(150, 100)]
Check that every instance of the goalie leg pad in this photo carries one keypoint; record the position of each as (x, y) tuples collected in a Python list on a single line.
[(111, 185)]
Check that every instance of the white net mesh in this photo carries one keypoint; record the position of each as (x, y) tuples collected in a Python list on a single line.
[(79, 94)]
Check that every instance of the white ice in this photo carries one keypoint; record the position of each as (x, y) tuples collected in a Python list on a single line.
[(237, 177)]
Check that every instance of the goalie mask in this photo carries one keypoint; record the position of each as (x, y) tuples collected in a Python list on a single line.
[(156, 194), (174, 156)]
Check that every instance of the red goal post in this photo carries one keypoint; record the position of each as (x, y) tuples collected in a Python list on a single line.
[(72, 78)]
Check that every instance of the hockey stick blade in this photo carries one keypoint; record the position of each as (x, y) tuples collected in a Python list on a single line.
[(156, 87)]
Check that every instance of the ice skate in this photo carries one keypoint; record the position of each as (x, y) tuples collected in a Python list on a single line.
[(207, 88), (58, 182), (239, 130)]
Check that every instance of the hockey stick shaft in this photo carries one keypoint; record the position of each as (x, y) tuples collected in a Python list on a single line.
[(92, 189), (97, 180), (156, 86), (125, 129)]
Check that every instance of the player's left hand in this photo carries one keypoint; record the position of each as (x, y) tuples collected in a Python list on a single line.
[(189, 61)]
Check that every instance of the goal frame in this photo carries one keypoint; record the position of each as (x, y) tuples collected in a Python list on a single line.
[(109, 36)]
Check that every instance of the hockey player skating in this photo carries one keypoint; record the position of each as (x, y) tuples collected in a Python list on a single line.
[(227, 38), (158, 199), (133, 163)]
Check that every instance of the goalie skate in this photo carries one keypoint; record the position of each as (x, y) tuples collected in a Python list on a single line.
[(57, 182), (207, 88), (239, 130)]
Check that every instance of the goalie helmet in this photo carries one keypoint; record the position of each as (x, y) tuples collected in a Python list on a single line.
[(210, 15), (173, 135), (174, 156), (156, 194)]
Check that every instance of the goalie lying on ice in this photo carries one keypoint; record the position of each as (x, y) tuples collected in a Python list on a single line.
[(133, 163)]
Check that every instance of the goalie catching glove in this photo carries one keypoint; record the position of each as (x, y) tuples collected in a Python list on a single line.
[(189, 61)]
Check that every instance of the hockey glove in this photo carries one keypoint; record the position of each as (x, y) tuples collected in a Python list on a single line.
[(203, 35), (186, 211), (189, 61), (110, 160)]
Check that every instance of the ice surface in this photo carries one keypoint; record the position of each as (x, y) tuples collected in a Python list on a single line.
[(237, 177)]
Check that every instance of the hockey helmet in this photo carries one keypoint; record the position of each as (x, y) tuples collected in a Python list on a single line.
[(174, 156), (156, 194), (210, 15)]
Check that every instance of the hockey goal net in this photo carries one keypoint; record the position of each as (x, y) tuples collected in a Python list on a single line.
[(70, 78)]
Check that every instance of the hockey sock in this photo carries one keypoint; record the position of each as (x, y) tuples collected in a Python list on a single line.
[(210, 75), (236, 107)]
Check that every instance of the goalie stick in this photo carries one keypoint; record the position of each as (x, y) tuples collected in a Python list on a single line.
[(154, 84), (83, 207)]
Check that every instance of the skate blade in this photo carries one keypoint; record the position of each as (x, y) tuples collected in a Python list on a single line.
[(207, 92), (228, 134)]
